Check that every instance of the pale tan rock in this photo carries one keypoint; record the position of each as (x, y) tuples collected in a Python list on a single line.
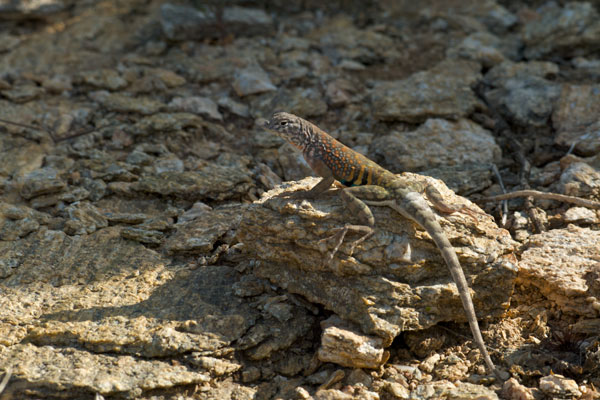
[(581, 215), (513, 390), (559, 386), (429, 363), (397, 390), (40, 369), (465, 390), (376, 287), (558, 263), (580, 179), (350, 348), (216, 366)]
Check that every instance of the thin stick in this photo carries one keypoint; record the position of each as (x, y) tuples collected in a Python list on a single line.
[(548, 196)]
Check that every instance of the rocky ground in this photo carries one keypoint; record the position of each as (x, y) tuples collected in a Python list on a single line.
[(146, 250)]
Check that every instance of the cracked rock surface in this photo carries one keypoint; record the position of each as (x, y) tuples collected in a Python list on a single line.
[(148, 250)]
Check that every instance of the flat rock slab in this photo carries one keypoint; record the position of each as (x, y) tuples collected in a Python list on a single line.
[(382, 287), (443, 91), (88, 313), (38, 370), (563, 265), (213, 182), (437, 143)]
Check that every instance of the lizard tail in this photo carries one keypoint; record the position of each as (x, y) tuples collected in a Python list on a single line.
[(418, 210)]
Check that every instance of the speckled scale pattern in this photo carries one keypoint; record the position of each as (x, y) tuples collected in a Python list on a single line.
[(348, 167)]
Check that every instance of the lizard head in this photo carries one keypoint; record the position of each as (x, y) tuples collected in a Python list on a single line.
[(287, 126)]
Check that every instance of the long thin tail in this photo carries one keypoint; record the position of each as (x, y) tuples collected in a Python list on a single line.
[(415, 208)]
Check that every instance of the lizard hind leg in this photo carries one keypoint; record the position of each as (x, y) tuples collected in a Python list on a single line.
[(435, 197)]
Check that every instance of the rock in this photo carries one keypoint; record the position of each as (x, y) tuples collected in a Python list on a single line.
[(581, 215), (332, 394), (72, 195), (436, 143), (250, 374), (559, 386), (397, 390), (45, 369), (465, 390), (126, 218), (41, 181), (199, 235), (168, 78), (340, 40), (339, 92), (464, 179), (376, 287), (104, 79), (161, 122), (560, 263), (211, 182), (424, 343), (247, 21), (443, 91), (568, 31), (120, 299), (429, 363), (27, 9), (344, 344), (351, 65), (305, 102), (123, 103), (239, 109), (525, 101), (96, 187), (580, 179), (146, 236), (502, 72), (477, 15), (482, 47), (83, 218), (216, 366), (7, 43), (19, 155), (58, 84), (13, 230), (22, 93), (252, 80), (170, 164), (196, 105), (513, 390), (263, 340), (185, 23), (577, 116)]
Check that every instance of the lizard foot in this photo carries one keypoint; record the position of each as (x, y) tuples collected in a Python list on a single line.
[(340, 234)]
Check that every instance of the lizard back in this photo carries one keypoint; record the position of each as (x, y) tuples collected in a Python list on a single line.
[(349, 167)]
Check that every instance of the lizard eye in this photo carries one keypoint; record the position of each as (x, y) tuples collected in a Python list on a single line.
[(283, 123)]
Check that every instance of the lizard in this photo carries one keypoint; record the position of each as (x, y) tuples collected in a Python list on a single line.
[(367, 183)]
